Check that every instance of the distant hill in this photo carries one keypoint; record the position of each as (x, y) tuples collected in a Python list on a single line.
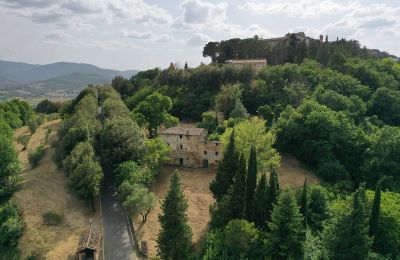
[(61, 79)]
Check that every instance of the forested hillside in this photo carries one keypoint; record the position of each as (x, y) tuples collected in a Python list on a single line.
[(337, 112)]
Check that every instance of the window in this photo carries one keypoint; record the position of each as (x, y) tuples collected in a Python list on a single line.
[(216, 144), (168, 144), (181, 147), (216, 161), (216, 153), (180, 136), (205, 152)]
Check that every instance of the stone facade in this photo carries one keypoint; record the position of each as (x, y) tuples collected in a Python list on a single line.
[(190, 147), (257, 64)]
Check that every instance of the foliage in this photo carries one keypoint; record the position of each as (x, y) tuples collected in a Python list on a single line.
[(251, 184), (10, 166), (174, 239), (5, 129), (36, 155), (238, 191), (133, 173), (226, 169), (24, 140), (157, 152), (227, 98), (48, 107), (86, 179), (317, 208), (121, 140), (209, 121), (286, 238), (253, 133), (261, 199), (140, 201), (346, 235), (76, 157), (154, 112), (375, 215), (11, 224), (239, 111), (51, 218), (35, 122)]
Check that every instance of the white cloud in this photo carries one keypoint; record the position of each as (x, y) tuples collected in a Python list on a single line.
[(299, 8), (198, 39), (148, 37), (199, 14)]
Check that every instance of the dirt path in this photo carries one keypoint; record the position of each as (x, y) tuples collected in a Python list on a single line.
[(44, 189)]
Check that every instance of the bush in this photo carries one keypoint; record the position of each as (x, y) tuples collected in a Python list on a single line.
[(332, 171), (36, 155), (24, 140), (51, 218), (35, 123)]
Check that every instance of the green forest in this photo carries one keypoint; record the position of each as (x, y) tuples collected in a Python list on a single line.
[(334, 107)]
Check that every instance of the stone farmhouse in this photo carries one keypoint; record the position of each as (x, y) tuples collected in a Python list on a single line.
[(257, 64), (190, 147)]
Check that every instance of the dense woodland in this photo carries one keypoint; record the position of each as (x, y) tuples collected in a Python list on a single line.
[(336, 111)]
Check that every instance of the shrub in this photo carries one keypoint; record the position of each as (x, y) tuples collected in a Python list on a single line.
[(35, 123), (51, 218), (36, 155), (24, 140)]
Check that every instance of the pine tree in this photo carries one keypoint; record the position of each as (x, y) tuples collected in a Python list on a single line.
[(375, 214), (174, 240), (238, 191), (286, 240), (303, 203), (227, 168), (251, 184), (273, 192), (347, 236), (260, 202)]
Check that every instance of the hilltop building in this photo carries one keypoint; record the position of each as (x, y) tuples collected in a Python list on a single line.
[(300, 36), (190, 147), (257, 64)]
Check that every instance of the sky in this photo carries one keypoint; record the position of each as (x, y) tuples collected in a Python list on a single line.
[(143, 34)]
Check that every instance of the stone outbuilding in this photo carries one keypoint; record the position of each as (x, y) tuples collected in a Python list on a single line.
[(256, 64), (190, 147), (89, 245)]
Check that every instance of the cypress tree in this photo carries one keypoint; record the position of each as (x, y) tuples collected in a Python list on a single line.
[(238, 191), (317, 209), (303, 203), (174, 240), (251, 184), (260, 202), (226, 169), (286, 240), (347, 236), (273, 192), (375, 214)]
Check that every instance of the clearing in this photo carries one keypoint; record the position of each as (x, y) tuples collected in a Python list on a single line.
[(45, 189), (195, 185)]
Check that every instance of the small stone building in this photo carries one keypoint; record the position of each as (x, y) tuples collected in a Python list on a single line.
[(89, 245), (256, 64), (190, 147)]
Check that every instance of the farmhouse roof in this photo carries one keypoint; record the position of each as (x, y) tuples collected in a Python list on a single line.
[(183, 131), (90, 239), (248, 61)]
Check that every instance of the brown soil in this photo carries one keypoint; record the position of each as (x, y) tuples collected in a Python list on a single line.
[(195, 185), (44, 189), (292, 174)]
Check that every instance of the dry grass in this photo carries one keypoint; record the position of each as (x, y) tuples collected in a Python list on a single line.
[(195, 184), (44, 189)]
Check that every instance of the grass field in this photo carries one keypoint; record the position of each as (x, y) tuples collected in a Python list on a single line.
[(195, 185), (44, 189)]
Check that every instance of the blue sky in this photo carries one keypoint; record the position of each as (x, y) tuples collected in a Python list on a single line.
[(140, 34)]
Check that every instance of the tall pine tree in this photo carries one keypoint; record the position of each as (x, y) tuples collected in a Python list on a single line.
[(317, 209), (174, 240), (375, 214), (304, 203), (251, 184), (347, 236), (238, 191), (286, 240), (273, 192), (260, 202), (227, 168)]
